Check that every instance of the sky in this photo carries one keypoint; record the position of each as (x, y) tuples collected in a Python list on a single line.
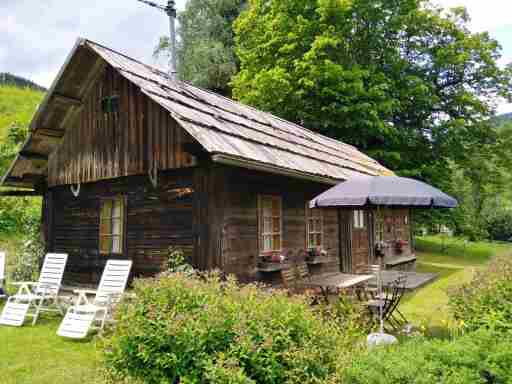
[(36, 36)]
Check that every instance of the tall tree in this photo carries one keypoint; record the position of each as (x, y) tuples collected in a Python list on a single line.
[(206, 55), (402, 79)]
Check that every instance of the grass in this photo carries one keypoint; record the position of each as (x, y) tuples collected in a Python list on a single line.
[(455, 262), (17, 105), (36, 355)]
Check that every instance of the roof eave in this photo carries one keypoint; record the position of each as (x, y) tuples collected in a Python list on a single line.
[(254, 165)]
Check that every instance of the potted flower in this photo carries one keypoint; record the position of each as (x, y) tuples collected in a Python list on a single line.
[(315, 253), (400, 245), (271, 257)]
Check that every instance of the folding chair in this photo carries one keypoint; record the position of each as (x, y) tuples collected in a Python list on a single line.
[(390, 301), (38, 296), (82, 316)]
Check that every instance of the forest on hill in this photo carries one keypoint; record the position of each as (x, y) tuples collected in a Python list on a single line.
[(20, 82), (18, 103)]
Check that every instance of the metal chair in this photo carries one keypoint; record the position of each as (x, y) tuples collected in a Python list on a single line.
[(390, 300)]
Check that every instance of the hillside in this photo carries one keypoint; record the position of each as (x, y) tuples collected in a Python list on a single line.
[(10, 79), (17, 105)]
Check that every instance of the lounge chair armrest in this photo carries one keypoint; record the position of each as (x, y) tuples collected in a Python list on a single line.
[(23, 283)]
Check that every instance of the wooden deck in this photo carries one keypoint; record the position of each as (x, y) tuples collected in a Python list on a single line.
[(414, 281)]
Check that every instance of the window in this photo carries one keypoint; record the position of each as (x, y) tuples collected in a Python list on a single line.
[(270, 216), (315, 227), (110, 104), (112, 225), (379, 226), (359, 219)]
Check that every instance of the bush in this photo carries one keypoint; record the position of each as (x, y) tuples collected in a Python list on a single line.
[(203, 329), (481, 357), (500, 226), (486, 301), (28, 256)]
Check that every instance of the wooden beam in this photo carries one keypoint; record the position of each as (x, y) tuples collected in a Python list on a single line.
[(33, 156), (19, 193), (44, 131), (67, 99)]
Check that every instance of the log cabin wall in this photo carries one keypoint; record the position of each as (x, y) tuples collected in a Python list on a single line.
[(239, 232), (155, 220), (100, 145)]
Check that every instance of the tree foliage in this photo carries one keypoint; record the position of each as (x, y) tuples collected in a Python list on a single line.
[(206, 54), (402, 79)]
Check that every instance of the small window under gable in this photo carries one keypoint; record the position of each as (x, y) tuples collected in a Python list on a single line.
[(110, 104)]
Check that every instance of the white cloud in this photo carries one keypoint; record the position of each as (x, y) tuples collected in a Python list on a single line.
[(485, 15), (36, 36)]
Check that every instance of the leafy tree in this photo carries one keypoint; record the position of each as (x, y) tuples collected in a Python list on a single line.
[(401, 79), (206, 43)]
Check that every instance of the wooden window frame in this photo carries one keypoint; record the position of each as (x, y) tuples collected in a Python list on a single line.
[(309, 231), (122, 231), (261, 225), (358, 219), (380, 230)]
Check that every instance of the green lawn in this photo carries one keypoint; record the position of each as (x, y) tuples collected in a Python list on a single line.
[(36, 355), (455, 262)]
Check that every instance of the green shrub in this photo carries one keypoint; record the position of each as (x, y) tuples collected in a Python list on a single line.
[(176, 261), (28, 256), (481, 357), (486, 301), (203, 329), (500, 226)]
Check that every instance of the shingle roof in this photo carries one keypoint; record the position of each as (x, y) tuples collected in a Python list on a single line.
[(231, 130)]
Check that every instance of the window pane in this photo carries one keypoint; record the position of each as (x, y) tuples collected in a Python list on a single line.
[(361, 219), (116, 244), (105, 227), (276, 242), (267, 225), (318, 241), (266, 204), (106, 244), (106, 209), (116, 227), (116, 208), (276, 225), (267, 243), (276, 206)]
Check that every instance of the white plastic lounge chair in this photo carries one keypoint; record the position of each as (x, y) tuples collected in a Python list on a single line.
[(85, 314), (2, 275), (39, 296)]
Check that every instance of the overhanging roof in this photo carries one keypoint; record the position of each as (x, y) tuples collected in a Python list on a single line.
[(231, 132)]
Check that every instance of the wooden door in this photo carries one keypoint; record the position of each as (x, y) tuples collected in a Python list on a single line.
[(360, 240)]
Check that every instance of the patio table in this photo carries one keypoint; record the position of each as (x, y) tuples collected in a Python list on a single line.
[(336, 281)]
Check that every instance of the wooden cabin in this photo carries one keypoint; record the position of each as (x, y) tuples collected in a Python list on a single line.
[(131, 163)]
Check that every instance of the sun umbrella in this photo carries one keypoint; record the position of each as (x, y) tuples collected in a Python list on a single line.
[(384, 191)]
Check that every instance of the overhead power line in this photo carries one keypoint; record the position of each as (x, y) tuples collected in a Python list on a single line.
[(170, 10)]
